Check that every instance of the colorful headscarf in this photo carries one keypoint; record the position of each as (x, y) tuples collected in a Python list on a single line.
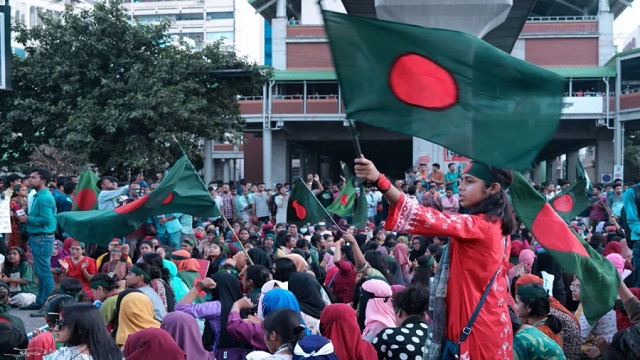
[(401, 254), (298, 261), (527, 257), (136, 313), (339, 323), (152, 344), (379, 313), (185, 331), (268, 286), (308, 292), (62, 253), (516, 247), (612, 247), (314, 347)]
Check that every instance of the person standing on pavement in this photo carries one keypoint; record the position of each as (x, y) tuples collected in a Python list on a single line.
[(40, 225)]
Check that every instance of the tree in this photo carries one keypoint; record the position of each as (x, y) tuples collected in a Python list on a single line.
[(115, 94)]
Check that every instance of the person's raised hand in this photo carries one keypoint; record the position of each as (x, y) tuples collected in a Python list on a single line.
[(63, 264), (125, 249), (366, 170), (244, 303), (208, 283), (350, 239)]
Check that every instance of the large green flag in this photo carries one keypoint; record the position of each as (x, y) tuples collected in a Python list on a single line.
[(445, 86), (599, 278), (571, 201), (343, 204), (181, 191), (303, 206), (86, 192)]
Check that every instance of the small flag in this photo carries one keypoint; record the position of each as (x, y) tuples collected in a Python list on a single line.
[(444, 86), (86, 192), (599, 278), (343, 204), (571, 201), (581, 174), (181, 191), (303, 206)]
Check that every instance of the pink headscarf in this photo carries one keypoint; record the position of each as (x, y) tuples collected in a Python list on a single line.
[(379, 313), (527, 257), (401, 254), (397, 288), (618, 261)]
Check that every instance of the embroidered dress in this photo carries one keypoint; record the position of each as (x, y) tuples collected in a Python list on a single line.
[(476, 252)]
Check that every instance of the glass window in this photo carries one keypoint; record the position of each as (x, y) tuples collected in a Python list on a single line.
[(220, 15), (172, 17), (219, 35)]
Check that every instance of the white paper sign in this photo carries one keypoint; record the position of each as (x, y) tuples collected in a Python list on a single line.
[(548, 282), (5, 216)]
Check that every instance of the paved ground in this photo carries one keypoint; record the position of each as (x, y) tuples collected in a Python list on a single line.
[(30, 323)]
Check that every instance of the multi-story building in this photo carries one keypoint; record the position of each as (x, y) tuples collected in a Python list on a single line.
[(632, 41), (298, 125), (234, 22)]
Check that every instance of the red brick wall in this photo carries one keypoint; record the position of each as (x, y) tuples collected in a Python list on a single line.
[(562, 52), (252, 157), (308, 56), (560, 28)]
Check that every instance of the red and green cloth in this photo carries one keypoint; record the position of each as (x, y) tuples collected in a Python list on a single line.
[(303, 206), (351, 201), (571, 201), (181, 191), (86, 192), (599, 278), (444, 86)]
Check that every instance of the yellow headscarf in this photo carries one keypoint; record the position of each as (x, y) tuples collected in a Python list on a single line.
[(136, 313)]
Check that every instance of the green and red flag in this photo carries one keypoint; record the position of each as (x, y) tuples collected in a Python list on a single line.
[(444, 86), (303, 206), (571, 201), (343, 204), (599, 278), (181, 191), (582, 174), (86, 192)]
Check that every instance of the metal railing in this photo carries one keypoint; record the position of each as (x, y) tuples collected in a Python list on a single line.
[(291, 97), (561, 18)]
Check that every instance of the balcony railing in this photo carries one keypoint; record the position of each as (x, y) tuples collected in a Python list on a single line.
[(562, 18)]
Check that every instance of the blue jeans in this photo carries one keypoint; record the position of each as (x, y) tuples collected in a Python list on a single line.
[(173, 240), (42, 249)]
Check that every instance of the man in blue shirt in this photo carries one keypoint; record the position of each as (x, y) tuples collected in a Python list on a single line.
[(452, 178), (167, 228), (41, 223)]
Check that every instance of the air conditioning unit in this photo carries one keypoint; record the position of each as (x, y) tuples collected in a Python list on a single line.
[(601, 122)]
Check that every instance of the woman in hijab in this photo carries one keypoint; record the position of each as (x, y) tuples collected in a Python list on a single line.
[(251, 331), (300, 263), (268, 286), (153, 344), (401, 254), (260, 257), (136, 313), (516, 247), (613, 247), (379, 312), (418, 248), (308, 292), (59, 253), (188, 269), (339, 323), (184, 329)]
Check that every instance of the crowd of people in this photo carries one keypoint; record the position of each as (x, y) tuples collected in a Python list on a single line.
[(437, 249)]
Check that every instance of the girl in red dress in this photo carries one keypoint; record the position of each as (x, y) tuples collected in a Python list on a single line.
[(479, 248)]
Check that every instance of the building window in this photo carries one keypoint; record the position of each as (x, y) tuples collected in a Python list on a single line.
[(221, 15), (172, 17), (219, 35)]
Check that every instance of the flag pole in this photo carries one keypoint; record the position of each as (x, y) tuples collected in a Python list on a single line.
[(237, 239), (318, 201)]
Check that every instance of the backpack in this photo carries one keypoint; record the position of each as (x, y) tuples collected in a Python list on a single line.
[(623, 214)]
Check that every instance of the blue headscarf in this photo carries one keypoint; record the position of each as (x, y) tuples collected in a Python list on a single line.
[(314, 347), (281, 299)]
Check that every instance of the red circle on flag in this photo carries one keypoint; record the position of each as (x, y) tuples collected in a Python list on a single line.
[(418, 81), (168, 199), (85, 199), (132, 206), (344, 199), (301, 212), (554, 234), (564, 203)]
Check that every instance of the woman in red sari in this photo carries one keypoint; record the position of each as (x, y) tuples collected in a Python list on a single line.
[(478, 250)]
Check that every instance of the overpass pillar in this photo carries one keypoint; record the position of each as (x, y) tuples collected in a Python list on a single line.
[(539, 173), (572, 163), (552, 170), (604, 159), (280, 170)]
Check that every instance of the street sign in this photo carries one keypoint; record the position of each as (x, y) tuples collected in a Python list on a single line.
[(618, 172), (605, 178)]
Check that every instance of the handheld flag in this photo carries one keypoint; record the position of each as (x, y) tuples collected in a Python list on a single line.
[(444, 86), (571, 201), (599, 278), (303, 207), (86, 192), (360, 212), (181, 191), (343, 205)]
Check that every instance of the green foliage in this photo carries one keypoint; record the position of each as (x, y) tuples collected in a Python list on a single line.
[(114, 94)]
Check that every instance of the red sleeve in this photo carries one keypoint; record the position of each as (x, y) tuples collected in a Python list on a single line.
[(91, 267), (409, 217), (345, 266)]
